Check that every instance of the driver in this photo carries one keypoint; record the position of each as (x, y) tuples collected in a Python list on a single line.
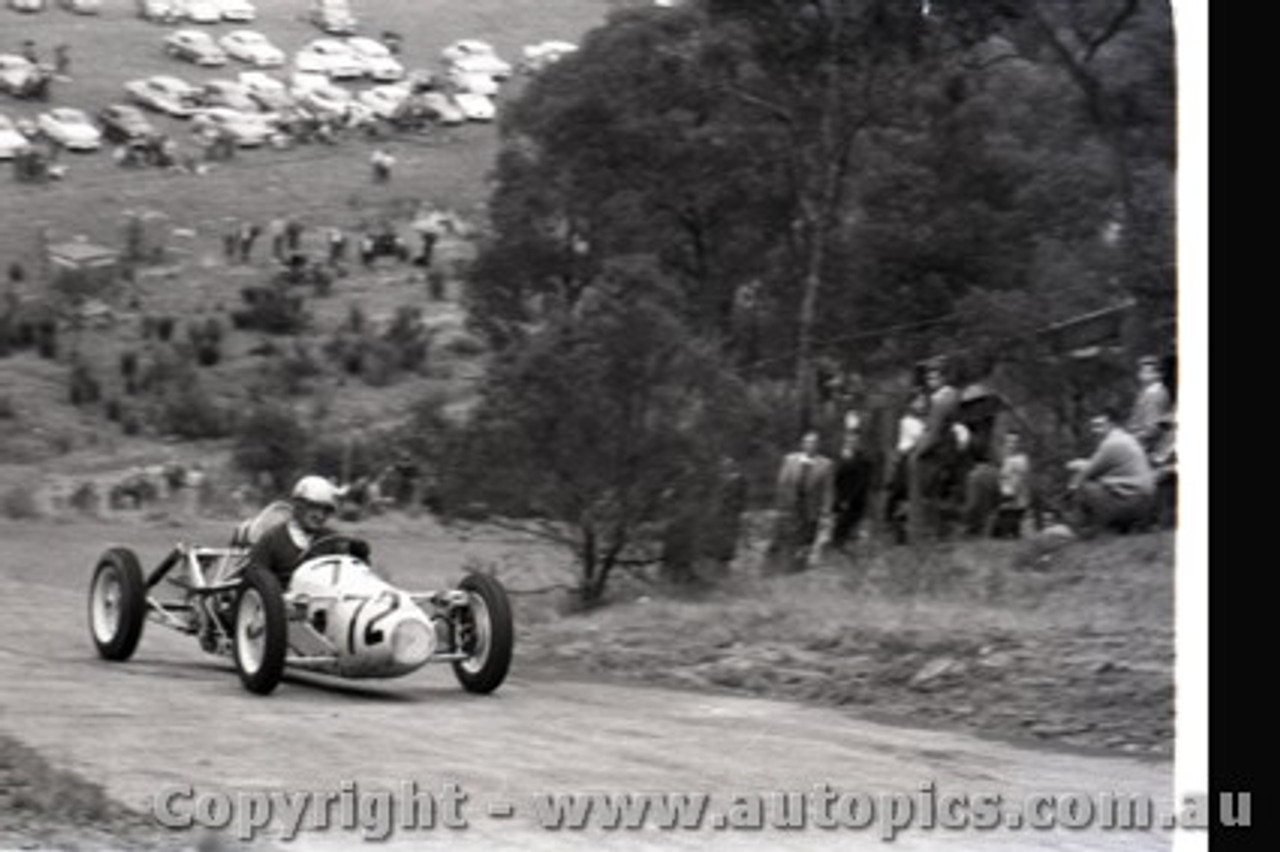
[(280, 549)]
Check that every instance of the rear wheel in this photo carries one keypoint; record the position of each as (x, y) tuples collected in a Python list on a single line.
[(117, 604), (261, 632), (484, 633)]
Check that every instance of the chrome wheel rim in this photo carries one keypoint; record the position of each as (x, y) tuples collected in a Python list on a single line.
[(251, 631), (475, 639), (107, 595)]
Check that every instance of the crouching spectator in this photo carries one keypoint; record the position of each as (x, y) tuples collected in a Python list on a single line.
[(1114, 489)]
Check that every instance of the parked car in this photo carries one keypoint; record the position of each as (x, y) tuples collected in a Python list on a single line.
[(443, 108), (333, 16), (239, 11), (162, 11), (195, 46), (27, 5), (124, 123), (70, 128), (383, 101), (12, 142), (271, 95), (199, 11), (82, 7), (248, 129), (536, 57), (475, 82), (252, 47), (474, 55), (379, 64), (330, 57), (16, 73), (165, 94), (475, 107), (228, 93), (326, 100)]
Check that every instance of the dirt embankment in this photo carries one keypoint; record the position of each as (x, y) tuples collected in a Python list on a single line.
[(1069, 643)]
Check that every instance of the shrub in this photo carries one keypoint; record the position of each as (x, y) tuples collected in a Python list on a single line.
[(271, 441), (19, 503), (85, 389)]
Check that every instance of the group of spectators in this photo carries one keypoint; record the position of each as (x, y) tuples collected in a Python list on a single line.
[(952, 471)]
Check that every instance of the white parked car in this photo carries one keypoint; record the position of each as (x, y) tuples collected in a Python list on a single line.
[(536, 57), (272, 95), (70, 128), (333, 16), (83, 7), (248, 129), (475, 107), (12, 142), (383, 101), (27, 5), (474, 55), (475, 82), (379, 64), (330, 57), (165, 94), (326, 99), (16, 73), (252, 47), (195, 46), (239, 11), (443, 108), (200, 11)]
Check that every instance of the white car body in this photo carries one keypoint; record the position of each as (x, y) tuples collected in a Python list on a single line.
[(379, 64), (12, 142), (536, 57), (473, 82), (444, 108), (248, 129), (83, 7), (326, 99), (200, 11), (474, 55), (383, 101), (27, 5), (15, 72), (252, 47), (333, 16), (475, 107), (70, 128), (238, 11), (165, 11), (329, 57), (167, 94), (195, 46)]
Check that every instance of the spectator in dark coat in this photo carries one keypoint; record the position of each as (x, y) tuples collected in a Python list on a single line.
[(852, 485)]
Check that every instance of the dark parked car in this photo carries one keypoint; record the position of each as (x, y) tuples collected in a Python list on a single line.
[(124, 123)]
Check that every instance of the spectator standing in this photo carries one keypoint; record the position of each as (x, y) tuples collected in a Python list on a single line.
[(803, 498), (852, 485), (292, 235), (230, 239), (1015, 487), (382, 162), (910, 428), (1113, 489), (249, 233), (62, 61), (275, 230), (1151, 406), (934, 457), (337, 246)]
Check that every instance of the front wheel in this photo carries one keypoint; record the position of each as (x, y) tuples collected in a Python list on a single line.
[(484, 633), (261, 632), (117, 604)]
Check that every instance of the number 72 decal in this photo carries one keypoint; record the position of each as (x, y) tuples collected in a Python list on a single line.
[(390, 602)]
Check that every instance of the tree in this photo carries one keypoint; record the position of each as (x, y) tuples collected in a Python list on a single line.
[(590, 431)]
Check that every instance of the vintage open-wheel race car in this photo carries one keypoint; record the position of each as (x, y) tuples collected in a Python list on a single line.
[(337, 616)]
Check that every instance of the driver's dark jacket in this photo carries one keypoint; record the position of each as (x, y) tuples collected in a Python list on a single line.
[(277, 552)]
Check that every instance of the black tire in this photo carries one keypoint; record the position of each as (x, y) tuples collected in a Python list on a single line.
[(484, 630), (117, 604), (260, 632)]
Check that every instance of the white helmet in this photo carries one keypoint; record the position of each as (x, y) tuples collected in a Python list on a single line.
[(318, 490)]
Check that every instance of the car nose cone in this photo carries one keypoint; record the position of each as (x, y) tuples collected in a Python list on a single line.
[(412, 642)]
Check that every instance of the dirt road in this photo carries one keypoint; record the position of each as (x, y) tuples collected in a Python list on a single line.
[(174, 720)]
